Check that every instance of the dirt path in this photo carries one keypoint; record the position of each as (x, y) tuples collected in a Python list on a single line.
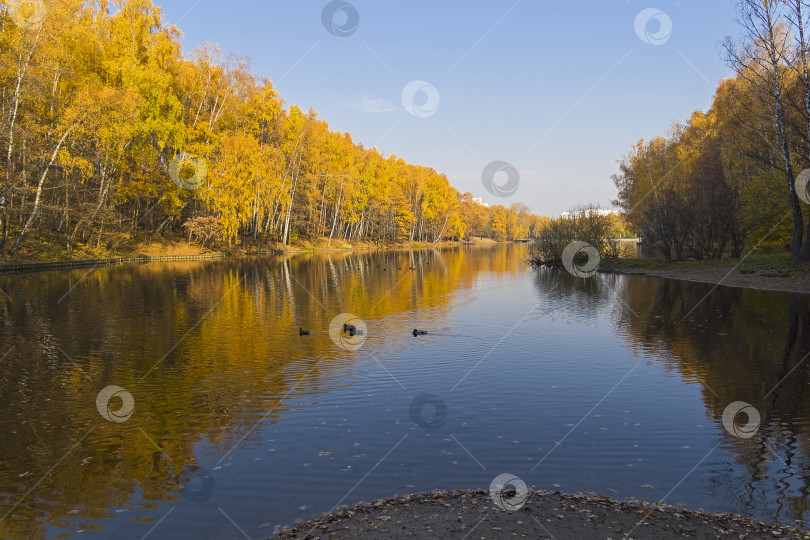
[(473, 515)]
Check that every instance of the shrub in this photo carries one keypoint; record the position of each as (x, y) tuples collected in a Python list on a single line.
[(596, 230), (207, 230)]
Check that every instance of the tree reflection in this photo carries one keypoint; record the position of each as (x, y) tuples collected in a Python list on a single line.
[(739, 345), (209, 351), (583, 298)]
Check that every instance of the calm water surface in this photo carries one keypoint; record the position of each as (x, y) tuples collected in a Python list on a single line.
[(614, 385)]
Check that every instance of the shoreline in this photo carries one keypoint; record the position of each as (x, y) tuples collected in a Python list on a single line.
[(544, 514), (798, 283), (177, 251), (768, 279), (762, 272)]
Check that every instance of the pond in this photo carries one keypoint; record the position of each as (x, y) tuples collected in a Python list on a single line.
[(178, 399)]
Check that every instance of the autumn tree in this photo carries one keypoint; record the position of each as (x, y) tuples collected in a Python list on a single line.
[(98, 101)]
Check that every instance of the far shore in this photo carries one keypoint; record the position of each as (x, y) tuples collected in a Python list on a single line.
[(50, 257), (761, 272)]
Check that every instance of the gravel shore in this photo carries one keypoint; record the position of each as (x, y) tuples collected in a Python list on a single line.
[(799, 282), (472, 514)]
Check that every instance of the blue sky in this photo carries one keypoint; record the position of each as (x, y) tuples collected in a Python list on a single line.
[(561, 90)]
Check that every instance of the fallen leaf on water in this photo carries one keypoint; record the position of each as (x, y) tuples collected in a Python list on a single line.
[(647, 486)]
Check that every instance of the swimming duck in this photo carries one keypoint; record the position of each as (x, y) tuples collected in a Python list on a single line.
[(349, 327), (419, 332), (302, 332)]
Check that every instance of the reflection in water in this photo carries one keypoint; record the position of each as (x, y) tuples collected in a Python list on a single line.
[(585, 297), (209, 352), (604, 385), (740, 345), (737, 345)]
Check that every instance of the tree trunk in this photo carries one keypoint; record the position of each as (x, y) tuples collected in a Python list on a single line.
[(286, 234), (39, 190), (804, 250), (337, 211), (442, 231), (15, 104)]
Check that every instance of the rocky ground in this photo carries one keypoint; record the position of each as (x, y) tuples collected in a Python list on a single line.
[(473, 515)]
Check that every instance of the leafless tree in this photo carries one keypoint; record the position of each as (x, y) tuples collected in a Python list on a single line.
[(760, 61)]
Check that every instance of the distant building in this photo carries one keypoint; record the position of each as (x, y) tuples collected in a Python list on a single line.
[(477, 200), (588, 212)]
